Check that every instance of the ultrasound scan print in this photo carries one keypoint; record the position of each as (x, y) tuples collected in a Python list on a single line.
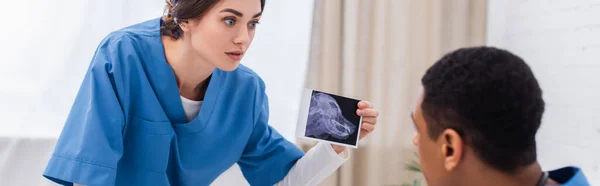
[(325, 119)]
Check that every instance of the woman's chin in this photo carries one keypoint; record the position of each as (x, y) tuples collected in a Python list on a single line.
[(228, 67)]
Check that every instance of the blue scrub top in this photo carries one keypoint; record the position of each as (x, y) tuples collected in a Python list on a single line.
[(568, 176), (127, 125)]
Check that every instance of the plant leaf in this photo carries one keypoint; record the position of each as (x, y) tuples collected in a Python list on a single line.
[(413, 166)]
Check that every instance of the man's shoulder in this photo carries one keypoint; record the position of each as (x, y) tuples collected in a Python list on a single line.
[(568, 176)]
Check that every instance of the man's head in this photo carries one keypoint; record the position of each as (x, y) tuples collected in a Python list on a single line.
[(480, 107)]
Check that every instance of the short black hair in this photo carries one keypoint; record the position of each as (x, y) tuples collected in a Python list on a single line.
[(491, 98)]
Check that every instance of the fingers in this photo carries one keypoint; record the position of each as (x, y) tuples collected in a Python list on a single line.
[(369, 116), (368, 127), (367, 112), (364, 104), (370, 120)]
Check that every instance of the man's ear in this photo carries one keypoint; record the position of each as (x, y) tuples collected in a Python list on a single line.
[(452, 148)]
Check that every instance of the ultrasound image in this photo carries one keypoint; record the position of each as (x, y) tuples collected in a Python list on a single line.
[(325, 119)]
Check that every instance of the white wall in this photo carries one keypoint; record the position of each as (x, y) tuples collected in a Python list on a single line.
[(46, 48), (561, 42)]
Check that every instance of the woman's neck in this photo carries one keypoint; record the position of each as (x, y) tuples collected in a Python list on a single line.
[(191, 71)]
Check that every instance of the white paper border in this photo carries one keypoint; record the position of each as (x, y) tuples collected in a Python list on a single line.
[(303, 117)]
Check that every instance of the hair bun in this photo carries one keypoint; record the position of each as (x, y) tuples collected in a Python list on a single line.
[(169, 27), (169, 8)]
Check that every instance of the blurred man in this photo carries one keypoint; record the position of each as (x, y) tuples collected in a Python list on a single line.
[(477, 116)]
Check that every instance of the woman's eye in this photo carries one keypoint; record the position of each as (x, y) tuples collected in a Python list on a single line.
[(253, 24), (229, 21)]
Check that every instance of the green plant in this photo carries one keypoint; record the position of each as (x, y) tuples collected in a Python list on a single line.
[(413, 166), (415, 183)]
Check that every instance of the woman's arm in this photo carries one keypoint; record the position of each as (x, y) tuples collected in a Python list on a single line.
[(268, 156), (90, 144), (314, 167)]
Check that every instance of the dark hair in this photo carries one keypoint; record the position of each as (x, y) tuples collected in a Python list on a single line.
[(491, 98), (182, 10)]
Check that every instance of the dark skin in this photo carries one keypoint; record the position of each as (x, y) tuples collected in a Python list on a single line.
[(447, 160)]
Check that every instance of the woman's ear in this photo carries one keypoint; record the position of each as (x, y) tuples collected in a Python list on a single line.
[(452, 148), (184, 25)]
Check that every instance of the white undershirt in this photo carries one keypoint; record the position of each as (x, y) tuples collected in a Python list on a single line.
[(191, 108), (314, 167)]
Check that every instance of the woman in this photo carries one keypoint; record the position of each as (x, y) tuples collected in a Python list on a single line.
[(166, 102)]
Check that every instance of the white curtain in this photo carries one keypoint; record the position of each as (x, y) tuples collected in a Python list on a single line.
[(378, 50), (47, 45)]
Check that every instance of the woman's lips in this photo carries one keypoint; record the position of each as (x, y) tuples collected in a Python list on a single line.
[(236, 55)]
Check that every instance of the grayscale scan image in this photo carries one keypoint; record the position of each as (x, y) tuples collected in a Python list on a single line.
[(332, 118)]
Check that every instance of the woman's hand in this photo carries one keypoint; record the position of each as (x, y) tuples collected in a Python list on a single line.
[(369, 119)]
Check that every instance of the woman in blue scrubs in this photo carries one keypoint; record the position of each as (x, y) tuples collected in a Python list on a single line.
[(166, 102)]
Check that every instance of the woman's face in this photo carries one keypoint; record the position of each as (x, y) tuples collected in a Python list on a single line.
[(222, 36)]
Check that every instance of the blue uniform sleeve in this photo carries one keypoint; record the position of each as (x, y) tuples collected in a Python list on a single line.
[(90, 144), (268, 156)]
